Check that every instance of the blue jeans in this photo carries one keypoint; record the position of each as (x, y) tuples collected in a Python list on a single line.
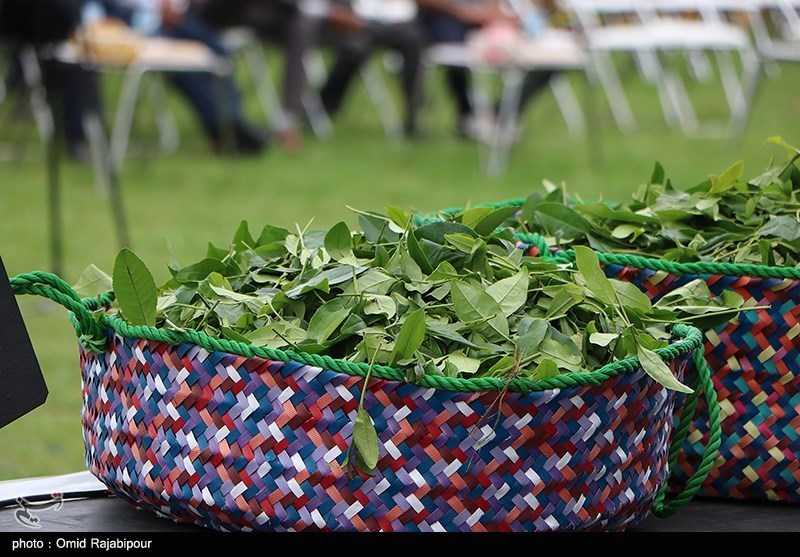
[(444, 28), (198, 88)]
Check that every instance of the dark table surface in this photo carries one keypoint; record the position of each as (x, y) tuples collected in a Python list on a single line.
[(108, 514)]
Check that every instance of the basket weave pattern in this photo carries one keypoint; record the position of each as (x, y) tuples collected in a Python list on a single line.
[(756, 372), (238, 443)]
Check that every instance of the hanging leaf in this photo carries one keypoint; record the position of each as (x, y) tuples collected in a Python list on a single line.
[(135, 289), (655, 367), (365, 439)]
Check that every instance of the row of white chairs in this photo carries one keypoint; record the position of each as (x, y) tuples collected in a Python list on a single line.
[(756, 32)]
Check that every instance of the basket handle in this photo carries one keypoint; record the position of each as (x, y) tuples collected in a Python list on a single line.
[(702, 381), (91, 331)]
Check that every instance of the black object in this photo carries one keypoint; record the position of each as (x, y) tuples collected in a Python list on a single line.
[(22, 387), (109, 514)]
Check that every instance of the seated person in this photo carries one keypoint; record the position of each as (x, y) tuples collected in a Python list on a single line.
[(172, 18), (451, 21), (355, 37), (282, 22)]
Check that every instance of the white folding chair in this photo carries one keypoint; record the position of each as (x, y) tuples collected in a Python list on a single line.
[(651, 30), (158, 56), (776, 32), (550, 51)]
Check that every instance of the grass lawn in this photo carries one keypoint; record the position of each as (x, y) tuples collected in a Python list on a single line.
[(191, 197)]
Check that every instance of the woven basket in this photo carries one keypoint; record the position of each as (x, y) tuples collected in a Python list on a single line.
[(236, 437), (756, 370)]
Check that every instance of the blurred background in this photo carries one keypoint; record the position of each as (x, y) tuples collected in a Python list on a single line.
[(163, 124)]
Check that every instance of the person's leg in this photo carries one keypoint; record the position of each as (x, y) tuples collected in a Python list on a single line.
[(352, 50), (81, 96), (440, 28), (534, 82), (200, 89), (407, 40)]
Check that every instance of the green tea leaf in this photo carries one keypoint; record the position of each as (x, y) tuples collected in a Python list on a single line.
[(271, 235), (503, 365), (410, 338), (658, 175), (631, 297), (494, 219), (566, 356), (786, 228), (213, 252), (471, 217), (474, 305), (596, 281), (381, 305), (655, 367), (728, 178), (463, 363), (418, 254), (242, 240), (462, 242), (602, 339), (531, 334), (398, 216), (199, 271), (326, 319), (135, 289), (545, 370), (561, 221), (339, 243), (93, 282), (365, 439), (511, 293), (779, 141)]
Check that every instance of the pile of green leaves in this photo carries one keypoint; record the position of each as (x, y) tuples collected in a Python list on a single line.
[(722, 219), (449, 299)]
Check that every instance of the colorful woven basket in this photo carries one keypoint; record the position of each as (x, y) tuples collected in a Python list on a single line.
[(756, 369), (236, 437)]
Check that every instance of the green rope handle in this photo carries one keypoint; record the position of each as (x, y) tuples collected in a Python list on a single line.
[(693, 268), (702, 381), (92, 332)]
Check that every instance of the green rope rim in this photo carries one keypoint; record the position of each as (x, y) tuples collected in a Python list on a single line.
[(92, 328), (655, 264), (628, 260)]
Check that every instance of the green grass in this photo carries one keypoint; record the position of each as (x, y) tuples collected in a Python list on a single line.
[(192, 197)]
